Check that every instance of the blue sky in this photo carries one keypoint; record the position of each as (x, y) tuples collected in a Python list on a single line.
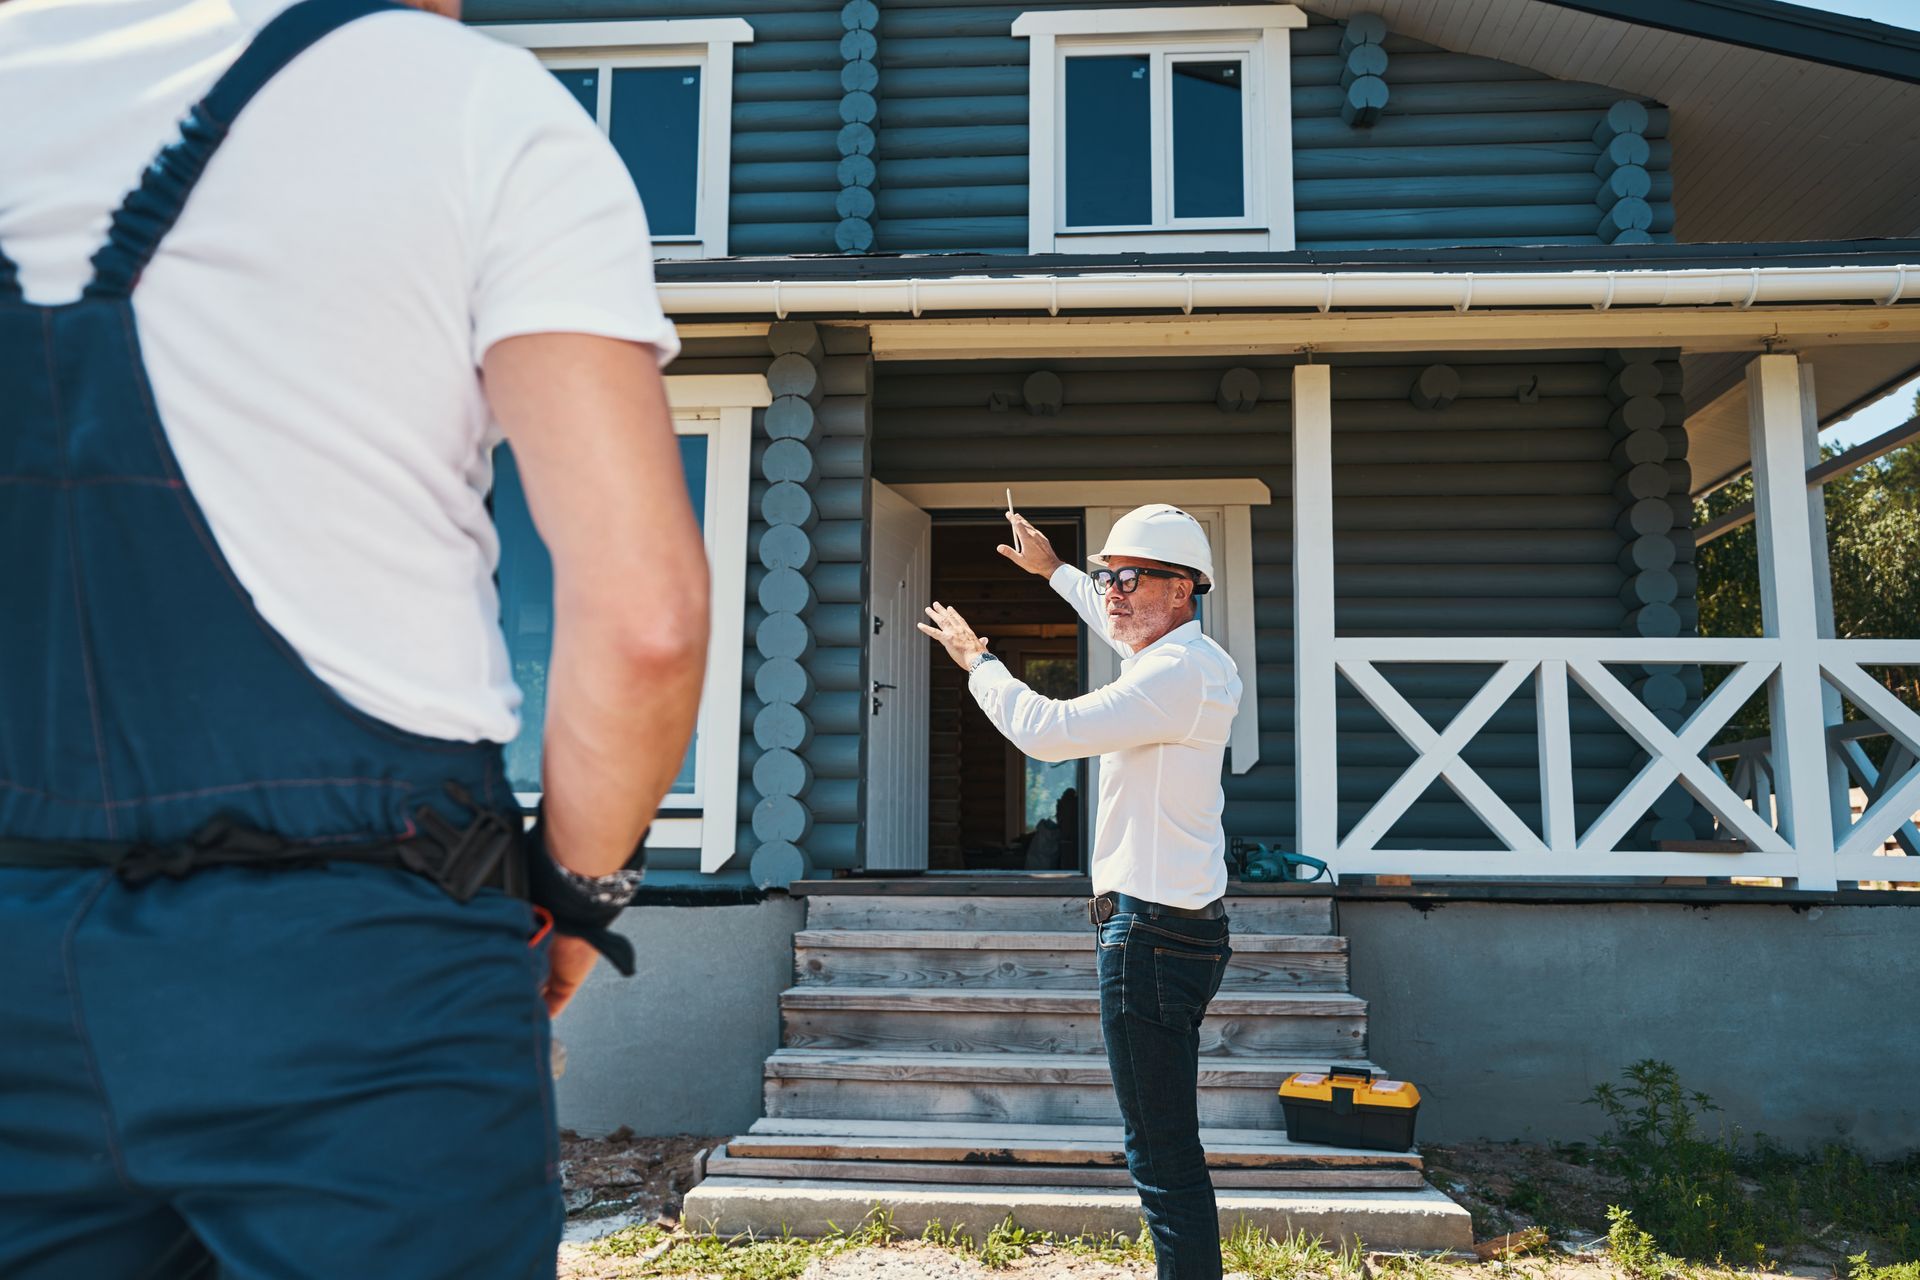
[(1898, 13), (1890, 412)]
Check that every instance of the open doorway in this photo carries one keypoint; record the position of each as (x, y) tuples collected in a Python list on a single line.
[(993, 809)]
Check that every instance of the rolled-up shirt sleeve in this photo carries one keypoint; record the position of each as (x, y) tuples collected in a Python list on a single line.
[(1157, 699)]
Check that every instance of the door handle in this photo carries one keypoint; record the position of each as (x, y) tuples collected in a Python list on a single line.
[(877, 687)]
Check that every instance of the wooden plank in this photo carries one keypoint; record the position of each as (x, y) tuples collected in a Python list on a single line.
[(928, 1130), (1291, 915), (989, 1068), (1019, 1035), (1009, 1100), (1046, 1175), (1034, 940), (1021, 1150), (1075, 968), (1308, 1004)]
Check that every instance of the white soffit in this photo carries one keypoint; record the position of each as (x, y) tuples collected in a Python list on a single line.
[(1765, 147), (1716, 393)]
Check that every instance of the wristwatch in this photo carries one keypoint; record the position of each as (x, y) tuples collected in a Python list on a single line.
[(978, 658), (614, 889)]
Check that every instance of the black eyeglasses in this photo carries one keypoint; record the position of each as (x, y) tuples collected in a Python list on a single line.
[(1129, 578)]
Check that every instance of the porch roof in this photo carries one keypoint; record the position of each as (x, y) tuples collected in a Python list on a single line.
[(1769, 282)]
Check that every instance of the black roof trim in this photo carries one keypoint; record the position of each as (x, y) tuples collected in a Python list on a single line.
[(1482, 259), (1791, 30)]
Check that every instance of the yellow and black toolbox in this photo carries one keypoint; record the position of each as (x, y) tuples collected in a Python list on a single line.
[(1346, 1106)]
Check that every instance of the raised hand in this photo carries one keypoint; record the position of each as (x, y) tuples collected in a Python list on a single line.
[(1036, 554), (953, 633)]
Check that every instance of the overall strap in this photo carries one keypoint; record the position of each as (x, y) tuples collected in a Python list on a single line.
[(9, 279), (150, 209)]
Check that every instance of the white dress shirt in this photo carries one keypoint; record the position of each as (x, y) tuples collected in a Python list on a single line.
[(1160, 731)]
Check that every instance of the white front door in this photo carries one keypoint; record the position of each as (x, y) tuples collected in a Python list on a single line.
[(898, 694)]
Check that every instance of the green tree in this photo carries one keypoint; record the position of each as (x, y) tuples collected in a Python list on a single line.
[(1873, 547)]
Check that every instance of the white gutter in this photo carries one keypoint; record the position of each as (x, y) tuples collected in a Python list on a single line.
[(1322, 291)]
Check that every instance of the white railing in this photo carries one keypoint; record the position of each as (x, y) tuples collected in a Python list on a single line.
[(1557, 847), (1805, 834), (1750, 762)]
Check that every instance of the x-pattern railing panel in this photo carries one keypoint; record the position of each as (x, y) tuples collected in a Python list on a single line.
[(1674, 755), (1439, 756), (1899, 796)]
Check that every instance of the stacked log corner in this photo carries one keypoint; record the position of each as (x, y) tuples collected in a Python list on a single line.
[(1363, 69), (808, 706), (859, 111), (1655, 525), (1627, 214)]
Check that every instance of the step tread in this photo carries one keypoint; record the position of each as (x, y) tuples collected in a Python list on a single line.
[(1028, 1068), (725, 1163), (930, 1141), (1032, 940), (1034, 1001)]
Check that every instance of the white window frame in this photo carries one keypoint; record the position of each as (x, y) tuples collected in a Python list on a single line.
[(1255, 33), (704, 42)]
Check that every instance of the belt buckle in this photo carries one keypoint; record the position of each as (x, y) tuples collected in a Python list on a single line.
[(1101, 908)]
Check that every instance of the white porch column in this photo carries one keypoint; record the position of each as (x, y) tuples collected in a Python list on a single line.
[(1790, 599), (1315, 778), (1832, 711)]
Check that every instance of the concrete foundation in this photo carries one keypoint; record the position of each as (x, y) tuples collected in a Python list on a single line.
[(679, 1047), (1420, 1218), (1508, 1014)]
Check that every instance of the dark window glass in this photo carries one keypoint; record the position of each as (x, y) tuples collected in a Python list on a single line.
[(1109, 141), (526, 606), (585, 88), (1209, 154), (656, 130)]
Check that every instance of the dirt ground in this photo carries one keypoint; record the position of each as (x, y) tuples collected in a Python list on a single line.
[(622, 1181)]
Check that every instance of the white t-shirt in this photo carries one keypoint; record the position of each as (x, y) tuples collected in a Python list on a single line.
[(403, 195)]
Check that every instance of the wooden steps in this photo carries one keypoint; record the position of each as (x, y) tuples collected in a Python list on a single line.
[(1303, 1024), (1040, 960), (942, 1055), (1026, 1088)]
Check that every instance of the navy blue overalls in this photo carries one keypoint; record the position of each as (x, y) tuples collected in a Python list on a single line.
[(329, 1068)]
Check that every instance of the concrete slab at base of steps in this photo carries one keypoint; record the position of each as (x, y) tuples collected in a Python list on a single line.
[(1391, 1219)]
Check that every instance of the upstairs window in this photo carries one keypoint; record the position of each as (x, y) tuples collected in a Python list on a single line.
[(1160, 128), (663, 94)]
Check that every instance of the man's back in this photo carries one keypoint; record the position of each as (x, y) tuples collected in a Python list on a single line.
[(397, 200)]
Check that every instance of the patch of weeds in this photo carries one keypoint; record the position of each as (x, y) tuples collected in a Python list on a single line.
[(1634, 1251), (1684, 1185), (1410, 1266), (1296, 1257), (1858, 1268), (1708, 1198), (1835, 1185), (1007, 1242), (746, 1257)]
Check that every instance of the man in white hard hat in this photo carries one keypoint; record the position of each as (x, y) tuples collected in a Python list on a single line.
[(1159, 866)]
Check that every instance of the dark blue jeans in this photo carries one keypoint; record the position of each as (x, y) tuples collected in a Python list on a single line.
[(272, 1075), (1157, 974)]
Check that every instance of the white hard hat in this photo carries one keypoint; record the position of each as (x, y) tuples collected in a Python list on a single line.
[(1167, 534)]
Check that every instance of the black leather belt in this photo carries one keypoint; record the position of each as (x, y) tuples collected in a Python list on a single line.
[(1108, 905)]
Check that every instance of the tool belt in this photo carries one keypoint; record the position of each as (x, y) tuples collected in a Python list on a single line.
[(491, 852)]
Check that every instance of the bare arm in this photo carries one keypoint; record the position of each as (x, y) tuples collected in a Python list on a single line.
[(588, 420)]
